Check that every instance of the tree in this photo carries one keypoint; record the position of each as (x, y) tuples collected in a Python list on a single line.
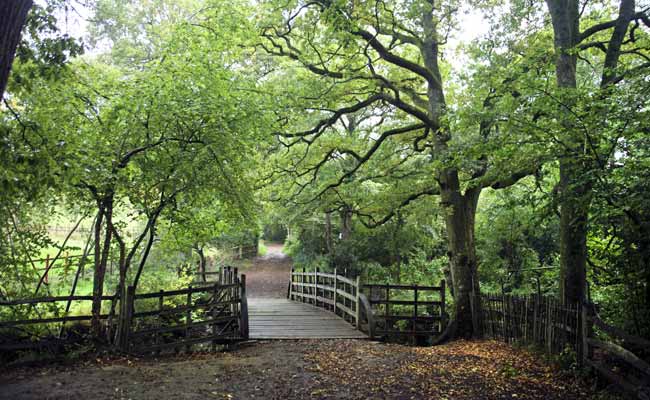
[(582, 149), (134, 145), (387, 63), (13, 14)]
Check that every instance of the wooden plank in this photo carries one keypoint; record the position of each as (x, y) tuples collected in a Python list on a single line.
[(345, 294), (6, 324), (349, 311), (406, 302), (403, 287), (202, 289), (52, 299), (346, 280)]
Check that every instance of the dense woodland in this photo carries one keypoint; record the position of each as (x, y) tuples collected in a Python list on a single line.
[(501, 146)]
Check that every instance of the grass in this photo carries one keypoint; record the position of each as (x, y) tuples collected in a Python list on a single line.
[(262, 250)]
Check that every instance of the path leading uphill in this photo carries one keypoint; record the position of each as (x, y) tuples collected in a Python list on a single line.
[(272, 316), (268, 276)]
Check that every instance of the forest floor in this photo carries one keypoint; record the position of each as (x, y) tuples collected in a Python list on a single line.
[(302, 369)]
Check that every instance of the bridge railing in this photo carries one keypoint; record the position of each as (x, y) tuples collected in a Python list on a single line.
[(333, 292), (407, 311)]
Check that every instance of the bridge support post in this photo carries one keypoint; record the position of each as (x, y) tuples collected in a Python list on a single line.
[(356, 303), (335, 288), (291, 284)]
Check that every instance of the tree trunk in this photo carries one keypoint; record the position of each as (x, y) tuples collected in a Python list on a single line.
[(574, 203), (460, 213), (328, 234), (13, 14), (346, 223), (201, 254), (574, 189), (101, 259)]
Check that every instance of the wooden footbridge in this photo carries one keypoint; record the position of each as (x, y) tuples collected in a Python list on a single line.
[(285, 319), (332, 306)]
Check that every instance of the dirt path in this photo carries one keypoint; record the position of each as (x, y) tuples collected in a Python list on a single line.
[(268, 276), (306, 369)]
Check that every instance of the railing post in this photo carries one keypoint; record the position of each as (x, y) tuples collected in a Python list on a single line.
[(302, 281), (336, 277), (291, 284), (244, 309), (356, 302), (316, 287)]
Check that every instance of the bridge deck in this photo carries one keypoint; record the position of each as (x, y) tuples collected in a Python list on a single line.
[(285, 319)]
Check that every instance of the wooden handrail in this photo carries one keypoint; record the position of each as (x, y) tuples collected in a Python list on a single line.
[(365, 304), (305, 286), (51, 299), (621, 353)]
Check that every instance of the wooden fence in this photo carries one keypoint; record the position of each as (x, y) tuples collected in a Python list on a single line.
[(407, 311), (217, 314), (335, 293), (611, 354), (544, 321), (541, 320), (15, 334), (144, 322)]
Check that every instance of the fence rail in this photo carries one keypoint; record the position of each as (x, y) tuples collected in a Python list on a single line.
[(408, 310)]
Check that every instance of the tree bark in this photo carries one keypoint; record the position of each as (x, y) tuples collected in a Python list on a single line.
[(13, 15), (575, 192), (460, 214), (202, 262), (328, 234), (145, 255), (346, 223), (101, 259)]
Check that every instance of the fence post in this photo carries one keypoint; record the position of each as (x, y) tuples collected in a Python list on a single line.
[(584, 334), (188, 317), (356, 302), (443, 315), (126, 317), (244, 308), (161, 304), (415, 312), (213, 309), (335, 286)]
